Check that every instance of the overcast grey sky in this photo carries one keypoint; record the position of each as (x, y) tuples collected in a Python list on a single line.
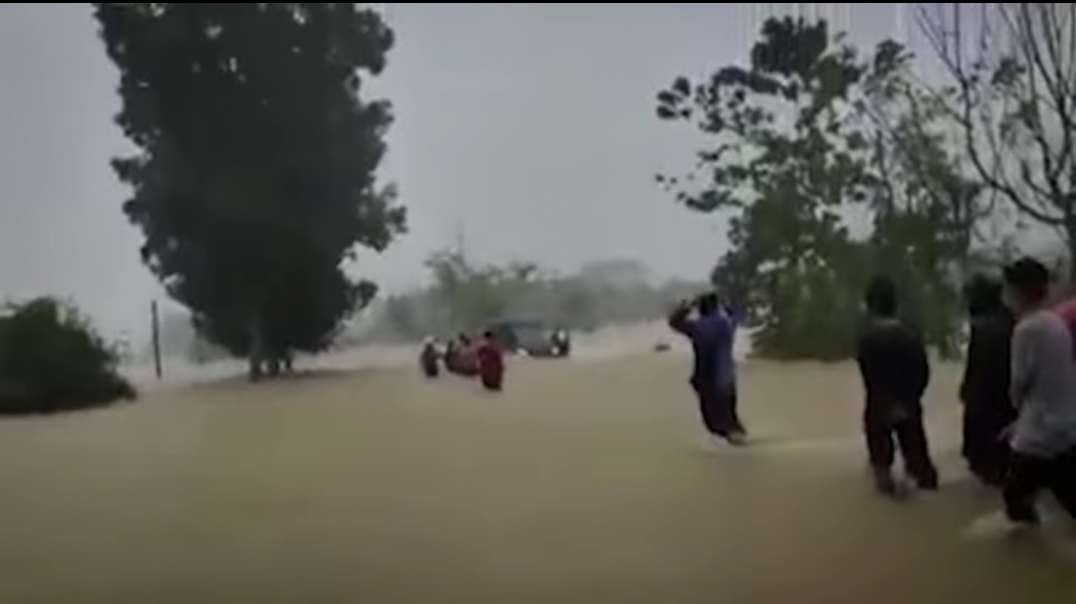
[(531, 127)]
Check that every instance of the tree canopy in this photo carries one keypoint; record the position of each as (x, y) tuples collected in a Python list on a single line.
[(467, 296), (254, 176), (832, 168)]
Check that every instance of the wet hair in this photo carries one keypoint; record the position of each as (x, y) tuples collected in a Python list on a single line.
[(881, 297), (982, 294), (1028, 277), (488, 334)]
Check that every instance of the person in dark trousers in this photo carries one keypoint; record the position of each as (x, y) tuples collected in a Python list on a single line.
[(710, 333), (1043, 389), (985, 388), (490, 362), (893, 362)]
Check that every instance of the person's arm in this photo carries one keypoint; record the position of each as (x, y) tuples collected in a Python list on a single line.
[(1023, 364), (680, 322), (740, 315), (971, 367), (920, 367), (863, 361)]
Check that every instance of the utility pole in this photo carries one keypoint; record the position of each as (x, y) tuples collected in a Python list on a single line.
[(156, 337)]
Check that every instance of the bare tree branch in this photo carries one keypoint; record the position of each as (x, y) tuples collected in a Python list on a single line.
[(1042, 95)]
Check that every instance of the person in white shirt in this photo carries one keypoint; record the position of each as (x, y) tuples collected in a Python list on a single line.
[(1043, 389)]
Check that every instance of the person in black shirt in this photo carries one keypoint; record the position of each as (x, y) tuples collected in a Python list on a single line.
[(893, 362), (985, 388)]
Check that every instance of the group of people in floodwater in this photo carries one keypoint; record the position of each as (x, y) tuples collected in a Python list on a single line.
[(1018, 389), (467, 357)]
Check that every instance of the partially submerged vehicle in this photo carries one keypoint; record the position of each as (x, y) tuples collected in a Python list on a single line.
[(531, 337)]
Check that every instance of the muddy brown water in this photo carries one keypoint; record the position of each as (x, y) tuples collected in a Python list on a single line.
[(582, 482)]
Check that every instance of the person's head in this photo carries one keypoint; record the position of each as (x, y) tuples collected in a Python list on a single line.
[(464, 339), (707, 304), (881, 298), (1027, 283), (488, 335), (982, 294)]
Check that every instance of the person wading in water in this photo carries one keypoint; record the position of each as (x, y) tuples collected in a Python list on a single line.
[(985, 387), (1043, 389), (710, 332), (490, 362), (893, 362)]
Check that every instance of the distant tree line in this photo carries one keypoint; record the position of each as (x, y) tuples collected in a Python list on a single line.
[(465, 297)]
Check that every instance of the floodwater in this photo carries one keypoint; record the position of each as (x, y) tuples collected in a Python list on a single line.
[(585, 481)]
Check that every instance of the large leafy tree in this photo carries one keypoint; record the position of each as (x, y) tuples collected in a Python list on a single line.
[(803, 139), (254, 176), (778, 162)]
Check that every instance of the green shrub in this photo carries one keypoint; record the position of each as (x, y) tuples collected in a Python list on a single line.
[(52, 360)]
